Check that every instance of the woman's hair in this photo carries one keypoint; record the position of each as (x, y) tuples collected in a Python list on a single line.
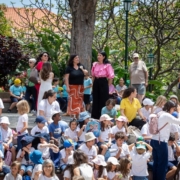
[(69, 167), (45, 163), (128, 91), (49, 93), (71, 59), (123, 166), (16, 163), (169, 104), (109, 167), (55, 80), (45, 72), (81, 124), (102, 126), (40, 56), (23, 107), (110, 102), (100, 172), (73, 120), (79, 157), (78, 178), (105, 60), (160, 99)]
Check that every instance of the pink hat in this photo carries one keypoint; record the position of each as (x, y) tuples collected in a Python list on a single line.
[(105, 117), (121, 118), (99, 160)]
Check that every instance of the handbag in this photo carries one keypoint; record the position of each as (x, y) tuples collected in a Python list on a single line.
[(133, 134), (8, 158), (34, 76)]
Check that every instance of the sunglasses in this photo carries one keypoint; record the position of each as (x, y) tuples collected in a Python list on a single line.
[(45, 55), (30, 62)]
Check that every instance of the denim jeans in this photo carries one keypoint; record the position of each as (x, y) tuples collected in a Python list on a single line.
[(140, 178), (160, 157), (19, 145)]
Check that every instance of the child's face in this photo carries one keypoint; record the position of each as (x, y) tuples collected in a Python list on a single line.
[(48, 169), (42, 140), (140, 151), (57, 117), (14, 170), (119, 142), (120, 124), (170, 143), (109, 107), (91, 143), (40, 125), (4, 126), (69, 148), (113, 167), (73, 126), (106, 122), (29, 146), (56, 83), (96, 166), (147, 106)]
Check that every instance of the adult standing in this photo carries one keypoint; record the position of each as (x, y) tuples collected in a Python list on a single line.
[(159, 142), (74, 80), (139, 76), (30, 94), (103, 74), (130, 106)]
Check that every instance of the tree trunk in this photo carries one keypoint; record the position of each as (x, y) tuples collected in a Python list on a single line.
[(83, 20)]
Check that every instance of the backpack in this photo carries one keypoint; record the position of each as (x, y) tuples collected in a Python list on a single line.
[(8, 158), (153, 123)]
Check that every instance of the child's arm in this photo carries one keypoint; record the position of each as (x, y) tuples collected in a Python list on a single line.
[(177, 148), (25, 126), (21, 156), (109, 140), (118, 153), (81, 130), (131, 146), (147, 145)]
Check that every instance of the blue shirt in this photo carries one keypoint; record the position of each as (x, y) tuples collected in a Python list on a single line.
[(65, 93), (16, 90), (56, 89), (87, 82), (56, 130), (23, 89), (111, 113)]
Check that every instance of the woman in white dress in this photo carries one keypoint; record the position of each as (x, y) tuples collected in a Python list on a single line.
[(46, 77)]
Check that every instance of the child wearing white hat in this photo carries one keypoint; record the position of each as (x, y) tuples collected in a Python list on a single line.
[(7, 136), (99, 167)]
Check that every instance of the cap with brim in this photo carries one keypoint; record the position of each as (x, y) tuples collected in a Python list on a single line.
[(36, 157), (140, 138), (26, 140), (99, 160), (105, 117), (121, 118), (55, 112), (70, 160), (68, 143), (40, 119), (5, 120), (83, 116), (174, 97), (148, 102), (140, 146), (43, 136), (89, 136), (113, 160), (135, 55)]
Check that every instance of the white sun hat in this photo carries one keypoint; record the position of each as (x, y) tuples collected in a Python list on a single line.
[(105, 117), (5, 120), (99, 160), (113, 160)]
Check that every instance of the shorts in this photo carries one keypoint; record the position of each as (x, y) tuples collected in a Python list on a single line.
[(171, 164), (141, 88), (26, 168), (87, 98), (13, 99)]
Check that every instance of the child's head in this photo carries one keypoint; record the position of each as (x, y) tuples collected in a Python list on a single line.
[(40, 121), (48, 168), (148, 102), (36, 157), (83, 118), (174, 98), (120, 121), (119, 137), (110, 103), (15, 167), (125, 166), (99, 163), (5, 122), (22, 107), (73, 124), (105, 119), (112, 164), (160, 101), (55, 81), (44, 137), (170, 107), (68, 144), (90, 139), (17, 82), (171, 139), (140, 146), (56, 116), (26, 141)]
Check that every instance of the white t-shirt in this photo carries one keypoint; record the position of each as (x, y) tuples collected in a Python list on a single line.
[(43, 177), (104, 135), (170, 154), (91, 153), (145, 112), (115, 129), (44, 150), (82, 136), (37, 167), (22, 118), (111, 175), (6, 134), (145, 130), (1, 104), (63, 155), (48, 108), (104, 173), (139, 163), (156, 109), (71, 134), (174, 128), (23, 161), (124, 151), (126, 178), (35, 130), (86, 171), (67, 174)]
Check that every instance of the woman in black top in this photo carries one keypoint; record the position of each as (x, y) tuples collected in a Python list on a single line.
[(74, 79)]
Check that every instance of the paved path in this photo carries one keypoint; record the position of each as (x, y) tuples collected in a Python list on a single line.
[(13, 118)]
